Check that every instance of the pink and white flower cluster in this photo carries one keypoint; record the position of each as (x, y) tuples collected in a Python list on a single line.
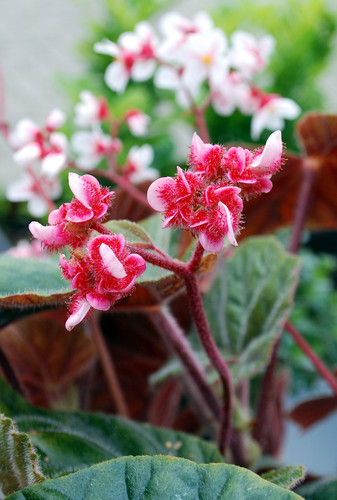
[(191, 53), (106, 271), (42, 152), (207, 199)]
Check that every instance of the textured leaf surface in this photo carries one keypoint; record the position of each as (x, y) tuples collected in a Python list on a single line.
[(19, 463), (68, 441), (31, 282), (324, 489), (286, 477), (248, 305), (153, 478)]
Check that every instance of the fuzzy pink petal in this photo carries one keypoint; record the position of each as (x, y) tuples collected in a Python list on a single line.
[(78, 315), (84, 215), (197, 145), (98, 302), (81, 187), (113, 265), (50, 235), (167, 220), (210, 244), (137, 262), (230, 233), (153, 193)]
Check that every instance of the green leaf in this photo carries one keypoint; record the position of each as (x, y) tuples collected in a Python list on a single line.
[(27, 283), (248, 305), (68, 441), (132, 232), (324, 489), (19, 463), (152, 478), (286, 477)]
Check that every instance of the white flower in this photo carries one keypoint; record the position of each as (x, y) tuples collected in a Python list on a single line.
[(271, 116), (134, 53), (248, 54), (90, 110), (24, 132), (222, 87), (170, 78), (27, 155), (26, 189), (55, 120), (138, 122), (138, 164), (56, 159), (92, 146)]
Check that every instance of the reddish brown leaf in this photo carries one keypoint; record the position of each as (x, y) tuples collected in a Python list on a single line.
[(317, 134), (310, 412), (45, 357)]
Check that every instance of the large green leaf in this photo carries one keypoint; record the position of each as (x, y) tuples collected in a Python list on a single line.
[(248, 305), (19, 463), (28, 283), (69, 441), (153, 478), (324, 489), (286, 477)]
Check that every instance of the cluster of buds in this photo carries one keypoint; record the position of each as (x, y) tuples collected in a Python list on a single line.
[(192, 52), (207, 199), (42, 152), (106, 270)]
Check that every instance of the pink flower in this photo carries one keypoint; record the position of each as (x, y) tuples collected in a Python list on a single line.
[(205, 199), (101, 276), (71, 224)]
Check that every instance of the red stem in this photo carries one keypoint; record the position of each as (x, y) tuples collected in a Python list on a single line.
[(301, 214), (194, 263), (108, 367), (176, 267), (200, 319), (316, 360), (200, 121), (168, 326)]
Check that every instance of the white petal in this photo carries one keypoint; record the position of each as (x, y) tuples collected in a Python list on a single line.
[(143, 70), (37, 206), (287, 108), (167, 78), (27, 155), (230, 233), (153, 194), (78, 315), (79, 189), (53, 164), (272, 151), (20, 190), (107, 47), (116, 77), (112, 263), (55, 119)]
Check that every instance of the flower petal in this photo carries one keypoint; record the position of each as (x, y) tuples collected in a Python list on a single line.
[(153, 193), (78, 315), (112, 263)]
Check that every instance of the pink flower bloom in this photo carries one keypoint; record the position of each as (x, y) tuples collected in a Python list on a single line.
[(135, 57), (100, 277), (137, 167), (92, 147), (205, 199), (138, 122), (90, 110), (72, 223), (27, 250)]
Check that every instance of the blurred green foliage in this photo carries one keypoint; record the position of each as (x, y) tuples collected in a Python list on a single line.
[(303, 30), (315, 317)]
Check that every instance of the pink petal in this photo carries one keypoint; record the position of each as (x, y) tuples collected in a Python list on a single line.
[(153, 193), (78, 315), (50, 235), (82, 187), (210, 244), (137, 263), (182, 176), (113, 265), (230, 233), (98, 302), (197, 145), (167, 220)]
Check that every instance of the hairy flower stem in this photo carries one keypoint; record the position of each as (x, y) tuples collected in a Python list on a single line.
[(194, 263), (168, 326), (199, 316), (316, 360), (301, 214), (108, 366), (266, 397), (179, 268)]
